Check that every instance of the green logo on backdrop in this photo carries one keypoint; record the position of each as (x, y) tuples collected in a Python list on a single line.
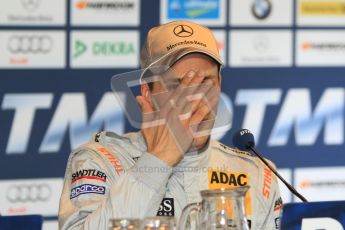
[(79, 49), (104, 48)]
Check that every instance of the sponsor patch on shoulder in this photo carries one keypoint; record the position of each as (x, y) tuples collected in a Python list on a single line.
[(112, 159), (85, 189), (267, 182), (91, 174)]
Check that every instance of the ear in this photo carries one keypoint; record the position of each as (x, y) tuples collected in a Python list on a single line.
[(145, 92), (220, 79)]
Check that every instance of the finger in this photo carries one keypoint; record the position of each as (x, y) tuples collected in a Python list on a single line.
[(145, 105), (172, 96), (196, 97), (200, 114), (193, 80), (183, 87), (187, 78), (179, 103), (198, 78), (192, 102), (149, 116), (204, 93), (203, 122), (178, 97), (206, 107), (183, 84), (182, 134), (202, 129)]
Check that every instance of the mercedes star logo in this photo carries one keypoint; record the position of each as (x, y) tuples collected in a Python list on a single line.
[(30, 5), (183, 31)]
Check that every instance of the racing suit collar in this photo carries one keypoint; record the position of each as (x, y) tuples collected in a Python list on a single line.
[(195, 161)]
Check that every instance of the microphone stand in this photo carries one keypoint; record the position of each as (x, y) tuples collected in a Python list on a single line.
[(292, 189)]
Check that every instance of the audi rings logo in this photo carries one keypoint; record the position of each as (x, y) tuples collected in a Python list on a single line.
[(30, 44), (28, 193), (183, 31)]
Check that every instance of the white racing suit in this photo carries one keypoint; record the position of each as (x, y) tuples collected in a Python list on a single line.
[(113, 176)]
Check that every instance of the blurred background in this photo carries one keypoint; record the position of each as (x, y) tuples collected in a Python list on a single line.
[(283, 79)]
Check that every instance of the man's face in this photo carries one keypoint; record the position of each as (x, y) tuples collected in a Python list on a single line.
[(202, 66)]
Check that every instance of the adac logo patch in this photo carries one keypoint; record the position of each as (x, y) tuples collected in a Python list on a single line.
[(219, 179), (230, 179), (166, 207)]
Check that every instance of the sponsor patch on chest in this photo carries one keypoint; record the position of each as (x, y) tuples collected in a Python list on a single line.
[(219, 179), (166, 207), (230, 179)]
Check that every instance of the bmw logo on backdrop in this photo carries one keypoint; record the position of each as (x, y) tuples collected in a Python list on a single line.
[(261, 8)]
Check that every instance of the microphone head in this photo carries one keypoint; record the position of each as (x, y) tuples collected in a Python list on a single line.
[(243, 139)]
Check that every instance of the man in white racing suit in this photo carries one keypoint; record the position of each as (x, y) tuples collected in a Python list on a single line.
[(162, 168)]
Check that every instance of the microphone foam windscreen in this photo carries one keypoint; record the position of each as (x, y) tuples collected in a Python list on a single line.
[(243, 139)]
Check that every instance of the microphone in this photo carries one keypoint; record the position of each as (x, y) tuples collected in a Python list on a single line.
[(244, 140)]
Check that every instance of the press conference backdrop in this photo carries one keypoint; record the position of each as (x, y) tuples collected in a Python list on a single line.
[(283, 79)]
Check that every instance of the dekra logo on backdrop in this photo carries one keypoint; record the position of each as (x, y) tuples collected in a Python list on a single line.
[(103, 48)]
